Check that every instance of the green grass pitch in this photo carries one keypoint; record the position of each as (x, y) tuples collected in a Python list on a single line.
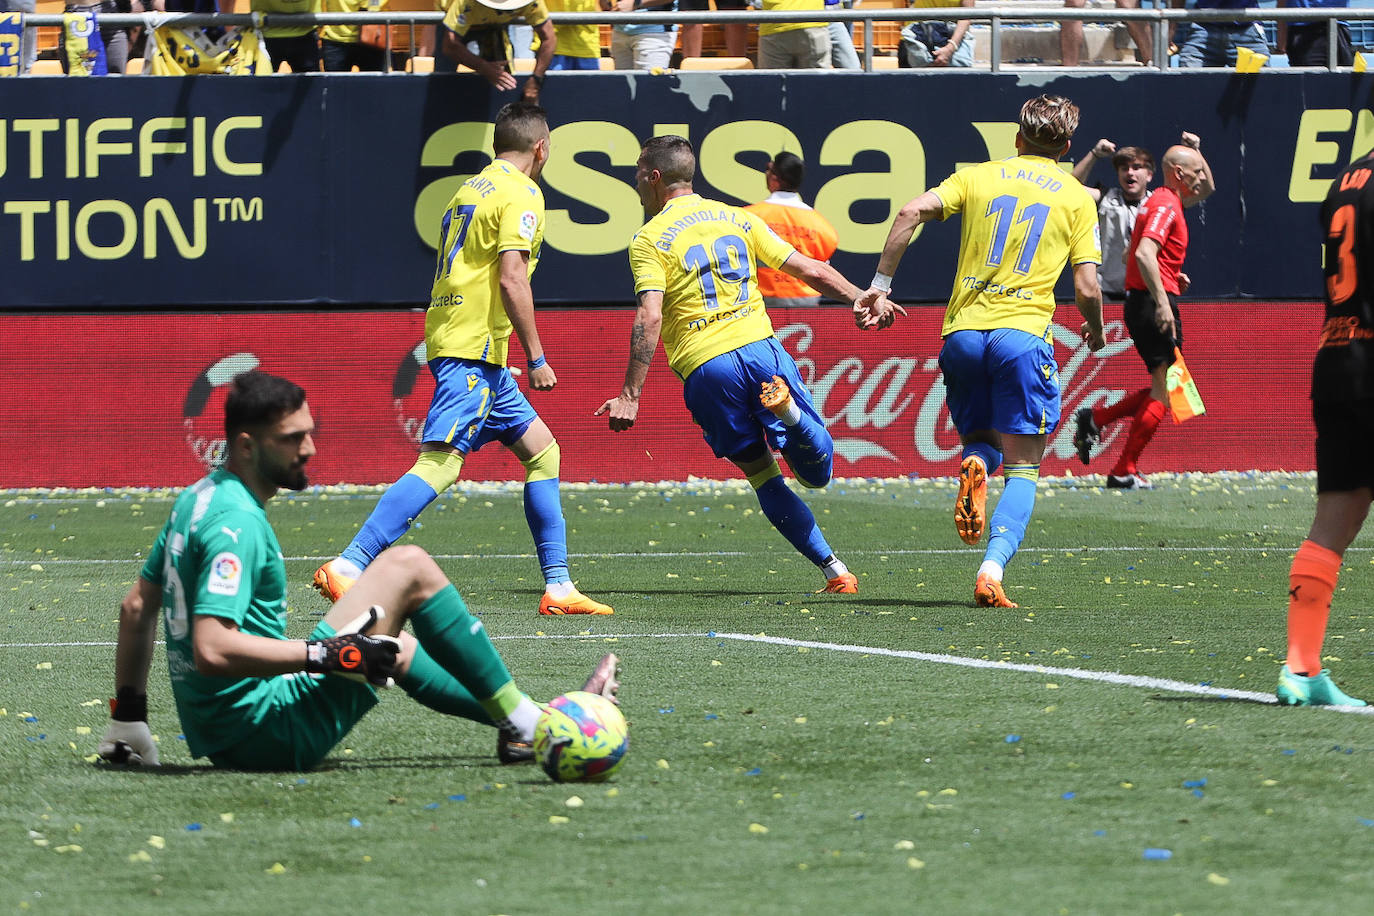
[(790, 752)]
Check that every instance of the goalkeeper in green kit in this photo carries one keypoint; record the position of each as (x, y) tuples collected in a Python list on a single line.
[(248, 697)]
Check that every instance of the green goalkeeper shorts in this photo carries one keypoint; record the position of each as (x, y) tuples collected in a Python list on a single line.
[(302, 717)]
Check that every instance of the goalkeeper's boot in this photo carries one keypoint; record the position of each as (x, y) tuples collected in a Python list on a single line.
[(970, 508), (512, 750), (605, 678), (576, 603), (1317, 690), (1086, 433), (843, 584), (988, 593), (777, 397), (331, 583)]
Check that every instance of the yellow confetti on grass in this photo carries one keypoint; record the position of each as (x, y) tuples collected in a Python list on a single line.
[(662, 764), (612, 792), (949, 791), (83, 729), (90, 703), (43, 666), (70, 847), (914, 863), (1051, 686), (140, 856), (1218, 880), (1269, 783), (903, 845), (157, 842), (573, 801), (227, 817), (276, 869), (800, 720), (757, 828), (36, 567), (715, 663), (558, 819)]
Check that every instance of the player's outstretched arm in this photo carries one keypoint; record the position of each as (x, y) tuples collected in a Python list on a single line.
[(868, 313), (624, 408), (1103, 149), (916, 211), (128, 739), (548, 46), (518, 300), (457, 49), (1208, 184), (1088, 296)]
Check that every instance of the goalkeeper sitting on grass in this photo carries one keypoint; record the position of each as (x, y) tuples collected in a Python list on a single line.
[(248, 697)]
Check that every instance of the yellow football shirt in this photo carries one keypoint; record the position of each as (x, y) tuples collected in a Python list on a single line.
[(577, 40), (704, 257), (1024, 218), (348, 34), (464, 15), (789, 6), (499, 209)]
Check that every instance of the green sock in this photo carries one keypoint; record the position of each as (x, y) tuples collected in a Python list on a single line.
[(427, 682), (460, 644)]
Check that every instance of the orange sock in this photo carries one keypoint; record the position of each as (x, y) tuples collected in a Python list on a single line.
[(1311, 582)]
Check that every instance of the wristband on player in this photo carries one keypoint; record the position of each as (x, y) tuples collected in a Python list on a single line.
[(128, 705), (370, 658), (539, 363), (881, 281)]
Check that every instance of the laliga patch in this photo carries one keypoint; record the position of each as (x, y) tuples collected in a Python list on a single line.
[(226, 572), (528, 223)]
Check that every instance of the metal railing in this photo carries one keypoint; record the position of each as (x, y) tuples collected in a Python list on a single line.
[(1160, 21)]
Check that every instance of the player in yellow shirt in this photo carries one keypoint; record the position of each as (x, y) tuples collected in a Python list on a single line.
[(475, 36), (579, 46), (1024, 219), (695, 265), (488, 248)]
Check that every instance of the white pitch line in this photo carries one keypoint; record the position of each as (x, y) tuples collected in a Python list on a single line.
[(1105, 677), (1102, 677)]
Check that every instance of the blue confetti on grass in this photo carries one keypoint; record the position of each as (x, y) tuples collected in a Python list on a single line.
[(354, 822), (1069, 796), (1156, 854), (457, 798), (1366, 821), (195, 827), (31, 719), (1012, 739), (664, 710), (754, 772), (431, 806), (710, 716), (1197, 793), (1194, 783), (1099, 833), (710, 634), (1288, 752), (857, 815)]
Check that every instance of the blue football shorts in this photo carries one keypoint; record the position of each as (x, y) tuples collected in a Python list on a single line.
[(1002, 379), (722, 395), (475, 403), (301, 718)]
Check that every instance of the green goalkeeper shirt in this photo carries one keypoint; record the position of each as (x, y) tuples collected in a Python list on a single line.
[(217, 556)]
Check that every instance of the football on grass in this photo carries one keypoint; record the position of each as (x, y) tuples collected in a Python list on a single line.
[(581, 737)]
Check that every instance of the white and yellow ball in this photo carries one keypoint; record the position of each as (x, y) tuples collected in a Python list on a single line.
[(581, 737)]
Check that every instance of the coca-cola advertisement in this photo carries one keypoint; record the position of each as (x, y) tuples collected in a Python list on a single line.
[(136, 400)]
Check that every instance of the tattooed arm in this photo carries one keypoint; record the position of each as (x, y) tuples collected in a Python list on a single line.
[(624, 408)]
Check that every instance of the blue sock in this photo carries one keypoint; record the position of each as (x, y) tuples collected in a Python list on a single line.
[(1008, 524), (544, 514), (402, 502), (809, 451), (792, 518), (991, 455)]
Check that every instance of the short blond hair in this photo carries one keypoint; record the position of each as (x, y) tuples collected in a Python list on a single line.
[(1048, 122)]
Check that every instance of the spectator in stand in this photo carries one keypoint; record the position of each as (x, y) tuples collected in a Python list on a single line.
[(1071, 35), (298, 45), (644, 46), (939, 42), (476, 37), (118, 39), (341, 46), (1305, 42), (795, 223), (1117, 207), (1214, 44), (28, 51), (579, 46), (736, 33), (843, 55), (794, 45)]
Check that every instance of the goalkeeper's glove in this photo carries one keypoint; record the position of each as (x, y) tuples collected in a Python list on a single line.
[(128, 740), (367, 658)]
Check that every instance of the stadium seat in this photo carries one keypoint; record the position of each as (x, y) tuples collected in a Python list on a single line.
[(716, 63), (133, 67), (607, 63), (420, 65), (884, 63), (523, 65), (46, 68)]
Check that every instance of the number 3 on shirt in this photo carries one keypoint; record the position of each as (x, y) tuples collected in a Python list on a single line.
[(451, 236), (1003, 212), (728, 259), (1341, 285)]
